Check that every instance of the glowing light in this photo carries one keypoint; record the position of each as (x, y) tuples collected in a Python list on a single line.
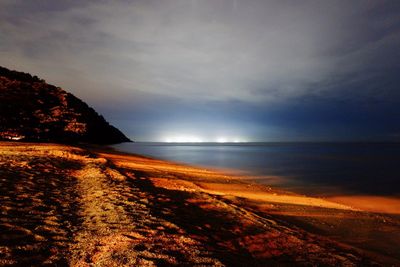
[(183, 139), (221, 140), (197, 139), (230, 140)]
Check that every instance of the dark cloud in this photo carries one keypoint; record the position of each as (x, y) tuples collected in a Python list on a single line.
[(267, 70)]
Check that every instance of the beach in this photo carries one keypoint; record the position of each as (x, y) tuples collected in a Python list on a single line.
[(93, 206)]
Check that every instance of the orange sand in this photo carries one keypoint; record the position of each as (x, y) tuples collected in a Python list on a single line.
[(64, 205), (382, 204)]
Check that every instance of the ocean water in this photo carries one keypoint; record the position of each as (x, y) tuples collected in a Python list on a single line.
[(319, 169)]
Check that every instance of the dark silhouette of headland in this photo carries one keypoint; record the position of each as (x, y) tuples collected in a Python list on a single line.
[(35, 111)]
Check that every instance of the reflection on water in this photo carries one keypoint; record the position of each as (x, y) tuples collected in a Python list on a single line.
[(312, 168)]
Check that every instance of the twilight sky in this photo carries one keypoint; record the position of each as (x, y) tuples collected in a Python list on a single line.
[(218, 69)]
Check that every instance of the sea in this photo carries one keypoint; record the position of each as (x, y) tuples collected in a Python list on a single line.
[(317, 169)]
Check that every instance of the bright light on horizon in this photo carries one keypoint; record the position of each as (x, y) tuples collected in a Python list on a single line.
[(196, 139), (230, 140), (183, 139), (221, 140)]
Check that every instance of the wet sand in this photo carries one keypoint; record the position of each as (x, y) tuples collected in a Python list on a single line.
[(379, 204), (95, 207)]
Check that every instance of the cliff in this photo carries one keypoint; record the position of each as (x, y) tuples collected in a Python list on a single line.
[(32, 110)]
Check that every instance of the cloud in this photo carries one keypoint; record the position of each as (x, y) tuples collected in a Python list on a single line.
[(218, 50)]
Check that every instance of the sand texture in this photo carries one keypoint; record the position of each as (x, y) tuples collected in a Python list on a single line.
[(70, 206)]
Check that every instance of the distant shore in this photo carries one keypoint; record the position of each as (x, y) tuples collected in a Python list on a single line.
[(82, 205)]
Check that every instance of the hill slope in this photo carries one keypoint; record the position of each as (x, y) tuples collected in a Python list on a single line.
[(32, 110)]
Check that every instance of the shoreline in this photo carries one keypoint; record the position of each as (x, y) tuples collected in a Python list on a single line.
[(371, 203), (279, 201), (115, 196)]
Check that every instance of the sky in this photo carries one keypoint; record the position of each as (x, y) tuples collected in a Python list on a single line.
[(218, 70)]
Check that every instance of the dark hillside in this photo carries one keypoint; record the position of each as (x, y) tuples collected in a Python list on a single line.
[(32, 110)]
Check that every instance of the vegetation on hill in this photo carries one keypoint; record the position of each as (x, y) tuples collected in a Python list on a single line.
[(32, 110)]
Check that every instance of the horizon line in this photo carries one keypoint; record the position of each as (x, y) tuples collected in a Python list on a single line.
[(261, 142)]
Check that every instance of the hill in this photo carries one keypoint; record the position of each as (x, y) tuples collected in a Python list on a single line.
[(32, 110)]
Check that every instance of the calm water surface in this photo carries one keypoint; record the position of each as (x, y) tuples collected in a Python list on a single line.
[(311, 168)]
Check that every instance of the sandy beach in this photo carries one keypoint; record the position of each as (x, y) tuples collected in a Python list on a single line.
[(91, 206)]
